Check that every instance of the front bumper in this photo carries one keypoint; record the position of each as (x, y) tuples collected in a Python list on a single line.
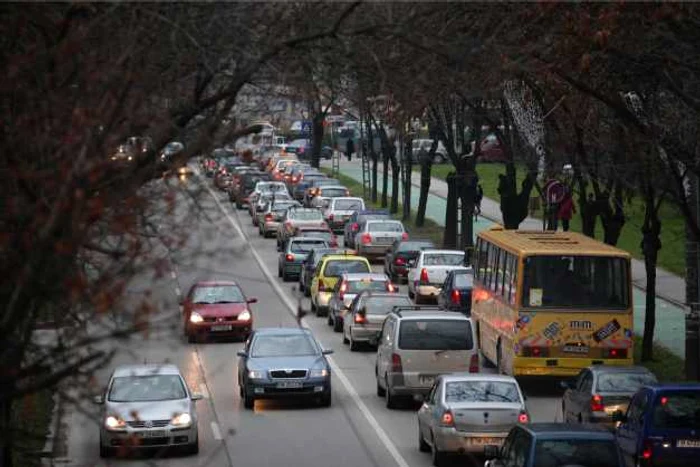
[(223, 329), (267, 389), (452, 440), (149, 438)]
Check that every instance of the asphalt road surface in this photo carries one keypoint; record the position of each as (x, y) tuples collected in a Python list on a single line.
[(221, 243)]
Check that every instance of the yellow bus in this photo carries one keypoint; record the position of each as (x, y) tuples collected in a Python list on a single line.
[(551, 303)]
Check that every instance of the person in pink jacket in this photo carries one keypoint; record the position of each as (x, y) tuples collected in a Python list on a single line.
[(566, 210)]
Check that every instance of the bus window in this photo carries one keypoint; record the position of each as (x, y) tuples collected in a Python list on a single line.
[(511, 273), (490, 279), (500, 273), (482, 259)]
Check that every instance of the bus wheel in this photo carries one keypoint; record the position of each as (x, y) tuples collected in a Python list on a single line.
[(499, 357)]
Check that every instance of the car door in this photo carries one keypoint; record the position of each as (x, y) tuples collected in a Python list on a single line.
[(315, 278), (425, 413), (629, 431), (443, 299), (333, 303), (384, 347), (518, 454), (568, 399)]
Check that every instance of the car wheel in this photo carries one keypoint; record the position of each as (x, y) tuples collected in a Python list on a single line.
[(390, 399), (248, 400), (307, 292), (279, 271), (422, 445), (337, 325), (261, 232), (105, 451), (411, 295), (285, 277), (345, 338), (239, 205), (314, 309), (381, 392), (326, 400), (193, 449), (353, 345), (438, 456), (330, 320)]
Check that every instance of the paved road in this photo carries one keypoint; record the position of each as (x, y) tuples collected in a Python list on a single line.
[(357, 429)]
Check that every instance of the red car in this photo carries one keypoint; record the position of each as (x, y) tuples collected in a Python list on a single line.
[(317, 232), (217, 308)]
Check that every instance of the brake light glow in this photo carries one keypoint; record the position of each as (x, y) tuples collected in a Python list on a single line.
[(447, 419), (597, 404), (268, 217), (615, 353), (404, 236), (289, 257), (523, 417), (390, 287), (664, 400), (396, 366), (456, 297), (399, 261), (359, 319), (354, 226), (481, 295), (474, 363), (646, 450), (536, 352), (366, 239), (342, 290), (321, 286), (424, 276)]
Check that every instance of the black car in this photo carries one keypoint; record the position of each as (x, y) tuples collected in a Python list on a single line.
[(240, 193), (283, 363), (456, 293), (401, 253), (309, 264), (312, 189)]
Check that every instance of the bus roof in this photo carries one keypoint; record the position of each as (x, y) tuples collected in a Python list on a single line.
[(528, 242)]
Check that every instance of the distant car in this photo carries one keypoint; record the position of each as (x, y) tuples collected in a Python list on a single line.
[(362, 322), (309, 266), (427, 272), (356, 219), (347, 288), (297, 217), (401, 253), (327, 274), (313, 190), (340, 210), (264, 199), (332, 191), (375, 237), (284, 363), (456, 293), (300, 147), (239, 194), (301, 187), (600, 390), (265, 188), (217, 308), (424, 145), (463, 412), (271, 215), (147, 406), (318, 232), (661, 426), (293, 254), (491, 149)]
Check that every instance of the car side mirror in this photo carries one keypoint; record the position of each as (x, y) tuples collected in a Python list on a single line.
[(252, 300), (242, 353), (99, 400), (565, 385), (492, 451), (619, 416), (196, 396), (411, 264), (327, 351)]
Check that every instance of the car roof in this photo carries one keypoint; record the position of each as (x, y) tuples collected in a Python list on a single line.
[(436, 251), (332, 187), (352, 198), (306, 239), (436, 314), (568, 430), (382, 293), (661, 387), (356, 276), (464, 376), (214, 283), (281, 331), (618, 369), (343, 257), (146, 369)]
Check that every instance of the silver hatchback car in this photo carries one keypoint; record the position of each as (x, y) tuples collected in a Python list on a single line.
[(147, 406), (376, 237)]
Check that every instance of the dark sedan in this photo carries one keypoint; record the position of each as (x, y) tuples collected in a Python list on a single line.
[(456, 293), (284, 363), (402, 251)]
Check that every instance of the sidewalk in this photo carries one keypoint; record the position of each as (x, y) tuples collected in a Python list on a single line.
[(670, 311)]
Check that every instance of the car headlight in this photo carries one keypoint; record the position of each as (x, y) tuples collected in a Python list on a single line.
[(256, 374), (244, 316), (183, 419), (130, 158), (196, 317), (319, 373), (114, 423)]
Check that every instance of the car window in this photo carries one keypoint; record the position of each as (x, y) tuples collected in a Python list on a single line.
[(623, 382), (146, 388), (562, 452), (443, 259), (290, 345), (385, 227), (306, 246), (323, 234), (348, 204), (217, 294), (414, 246), (305, 214), (357, 286), (481, 391), (383, 305), (442, 334), (636, 408), (463, 280), (335, 268), (333, 192), (677, 410)]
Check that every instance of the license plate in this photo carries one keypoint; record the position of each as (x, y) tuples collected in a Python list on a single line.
[(221, 328), (385, 240), (426, 380), (575, 349), (152, 434), (485, 441), (688, 443), (289, 385)]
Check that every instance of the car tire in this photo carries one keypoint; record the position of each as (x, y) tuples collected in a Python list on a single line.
[(279, 271), (381, 392), (353, 345), (330, 320), (238, 205), (314, 309), (337, 325), (411, 295), (193, 448), (391, 402), (439, 457), (261, 233), (307, 292), (248, 400), (326, 400), (105, 451), (422, 445), (285, 276), (345, 338)]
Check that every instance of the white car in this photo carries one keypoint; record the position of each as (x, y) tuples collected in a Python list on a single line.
[(428, 271)]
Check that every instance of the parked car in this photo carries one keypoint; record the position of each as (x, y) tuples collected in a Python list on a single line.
[(417, 344), (352, 226), (601, 390), (401, 253), (284, 362), (428, 271), (555, 444), (347, 288), (318, 232), (491, 149), (293, 254), (330, 269), (362, 322), (297, 217), (463, 412), (147, 406), (375, 237), (217, 308), (661, 426), (424, 145), (340, 210), (270, 217), (309, 266), (456, 292)]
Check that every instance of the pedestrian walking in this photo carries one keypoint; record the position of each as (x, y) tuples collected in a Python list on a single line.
[(349, 149), (477, 200), (566, 210)]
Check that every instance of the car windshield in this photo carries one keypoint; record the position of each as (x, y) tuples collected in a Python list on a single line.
[(217, 294), (324, 234), (463, 281), (443, 259), (623, 381), (290, 345), (272, 187), (576, 282), (146, 388), (348, 205), (360, 285), (383, 305), (305, 246), (442, 334), (336, 267), (415, 246), (576, 452), (679, 409), (481, 391), (306, 215), (385, 227), (326, 181), (333, 192)]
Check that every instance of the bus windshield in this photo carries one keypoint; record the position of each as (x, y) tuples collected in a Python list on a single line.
[(575, 282)]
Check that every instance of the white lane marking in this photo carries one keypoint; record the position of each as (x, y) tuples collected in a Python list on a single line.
[(217, 432), (383, 436), (203, 391)]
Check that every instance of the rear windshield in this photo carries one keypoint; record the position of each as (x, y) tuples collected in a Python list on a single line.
[(348, 205), (335, 268), (481, 391), (623, 381), (435, 334), (677, 410), (576, 452), (306, 215), (384, 227), (306, 246), (415, 246), (358, 286), (443, 259), (463, 281), (326, 181), (324, 234), (267, 187), (333, 192), (383, 305)]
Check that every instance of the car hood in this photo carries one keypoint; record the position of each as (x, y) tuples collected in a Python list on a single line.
[(151, 410), (220, 309), (287, 363)]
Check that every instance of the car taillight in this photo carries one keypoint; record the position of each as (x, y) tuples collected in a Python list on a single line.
[(597, 404), (456, 297), (523, 417), (321, 286), (399, 261), (404, 236), (396, 366), (354, 226), (424, 276), (390, 287), (647, 449), (447, 419), (615, 353), (536, 352), (342, 290), (330, 217), (366, 238), (289, 257), (474, 363), (268, 217), (359, 319), (347, 192)]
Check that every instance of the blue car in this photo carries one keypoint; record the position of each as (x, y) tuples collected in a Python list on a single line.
[(661, 426), (283, 363)]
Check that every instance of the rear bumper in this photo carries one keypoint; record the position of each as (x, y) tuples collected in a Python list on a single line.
[(527, 366), (323, 299), (428, 290), (292, 268), (452, 440), (365, 333), (373, 250)]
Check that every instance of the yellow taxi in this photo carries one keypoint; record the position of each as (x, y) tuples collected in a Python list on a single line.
[(327, 274)]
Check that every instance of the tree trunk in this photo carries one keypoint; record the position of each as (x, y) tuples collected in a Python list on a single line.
[(651, 244), (317, 139), (514, 205), (587, 208), (408, 168), (385, 179), (449, 239), (425, 170), (395, 182), (5, 432), (612, 217)]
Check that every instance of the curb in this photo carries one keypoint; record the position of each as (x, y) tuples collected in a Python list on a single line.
[(49, 450)]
